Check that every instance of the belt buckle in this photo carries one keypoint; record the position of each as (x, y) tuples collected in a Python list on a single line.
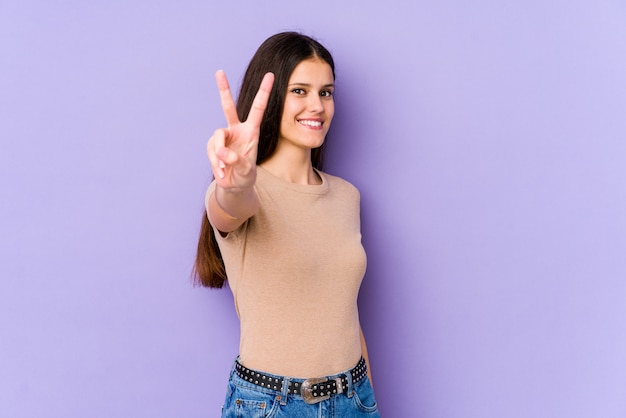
[(306, 390)]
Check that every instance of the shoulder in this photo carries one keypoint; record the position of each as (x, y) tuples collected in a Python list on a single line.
[(338, 184)]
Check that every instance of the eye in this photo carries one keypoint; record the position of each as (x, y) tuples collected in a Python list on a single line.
[(326, 93), (298, 91)]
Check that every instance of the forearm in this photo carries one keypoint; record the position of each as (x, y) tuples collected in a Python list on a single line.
[(229, 208)]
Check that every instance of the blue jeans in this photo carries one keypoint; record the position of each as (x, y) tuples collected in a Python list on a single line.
[(247, 400)]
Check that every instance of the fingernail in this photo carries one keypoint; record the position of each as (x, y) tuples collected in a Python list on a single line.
[(221, 164)]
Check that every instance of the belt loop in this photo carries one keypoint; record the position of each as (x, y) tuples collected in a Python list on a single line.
[(284, 392), (350, 391)]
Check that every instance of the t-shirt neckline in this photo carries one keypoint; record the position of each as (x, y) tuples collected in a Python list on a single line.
[(301, 188)]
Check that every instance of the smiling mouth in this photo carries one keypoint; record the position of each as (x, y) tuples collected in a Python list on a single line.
[(312, 123)]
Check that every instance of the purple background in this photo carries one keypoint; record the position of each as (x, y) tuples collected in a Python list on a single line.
[(488, 139)]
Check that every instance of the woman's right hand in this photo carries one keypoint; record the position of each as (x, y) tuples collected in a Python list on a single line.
[(233, 150)]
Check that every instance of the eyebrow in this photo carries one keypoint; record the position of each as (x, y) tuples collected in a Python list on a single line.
[(309, 85)]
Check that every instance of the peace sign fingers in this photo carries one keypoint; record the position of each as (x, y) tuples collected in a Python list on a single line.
[(228, 104), (260, 101), (258, 105), (233, 150)]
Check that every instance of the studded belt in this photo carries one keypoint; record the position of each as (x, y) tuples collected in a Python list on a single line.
[(312, 390)]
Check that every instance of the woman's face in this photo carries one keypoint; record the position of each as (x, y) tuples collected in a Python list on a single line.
[(309, 105)]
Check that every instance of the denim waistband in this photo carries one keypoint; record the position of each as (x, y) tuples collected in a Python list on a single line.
[(311, 390)]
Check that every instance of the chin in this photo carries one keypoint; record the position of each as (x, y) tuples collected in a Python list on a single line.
[(316, 144)]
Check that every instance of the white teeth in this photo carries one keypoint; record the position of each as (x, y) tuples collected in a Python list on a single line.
[(310, 122)]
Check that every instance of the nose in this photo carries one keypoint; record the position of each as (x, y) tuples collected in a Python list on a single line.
[(314, 103)]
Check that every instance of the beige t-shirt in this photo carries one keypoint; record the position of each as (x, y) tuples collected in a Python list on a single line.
[(295, 269)]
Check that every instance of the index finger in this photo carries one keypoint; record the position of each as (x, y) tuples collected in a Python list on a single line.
[(228, 104), (260, 100)]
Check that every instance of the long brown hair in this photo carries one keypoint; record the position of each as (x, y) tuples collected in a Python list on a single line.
[(279, 54)]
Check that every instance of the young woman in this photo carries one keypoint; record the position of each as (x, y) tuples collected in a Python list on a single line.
[(287, 237)]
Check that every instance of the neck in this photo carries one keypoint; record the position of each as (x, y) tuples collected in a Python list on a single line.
[(294, 167)]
